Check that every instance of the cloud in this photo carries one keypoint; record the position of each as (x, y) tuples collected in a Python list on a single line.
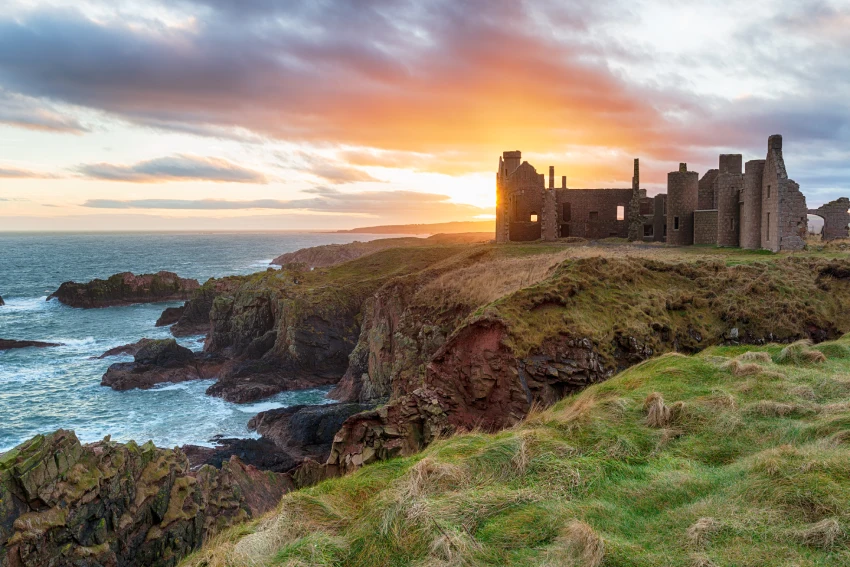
[(35, 114), (174, 168), (325, 168), (14, 173), (389, 204)]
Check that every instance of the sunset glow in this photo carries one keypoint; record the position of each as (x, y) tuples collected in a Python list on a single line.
[(331, 114)]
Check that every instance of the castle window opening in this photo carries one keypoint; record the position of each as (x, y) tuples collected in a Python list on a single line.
[(593, 215), (665, 230), (568, 212), (533, 217), (768, 191), (768, 226), (621, 212), (675, 223), (731, 224), (648, 230)]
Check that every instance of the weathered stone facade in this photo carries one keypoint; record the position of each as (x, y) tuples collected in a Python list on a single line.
[(836, 218), (753, 206)]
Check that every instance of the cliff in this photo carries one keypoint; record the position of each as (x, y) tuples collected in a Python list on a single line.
[(108, 504), (733, 456), (332, 254), (125, 288)]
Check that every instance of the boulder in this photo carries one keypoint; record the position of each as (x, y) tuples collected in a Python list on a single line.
[(160, 361), (124, 289), (170, 316), (2, 303), (8, 344), (262, 453), (107, 504)]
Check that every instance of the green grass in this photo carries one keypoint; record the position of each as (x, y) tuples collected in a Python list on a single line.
[(737, 456)]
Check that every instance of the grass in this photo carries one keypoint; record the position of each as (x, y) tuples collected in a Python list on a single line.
[(680, 460)]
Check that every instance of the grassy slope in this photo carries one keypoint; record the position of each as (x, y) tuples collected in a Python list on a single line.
[(747, 462)]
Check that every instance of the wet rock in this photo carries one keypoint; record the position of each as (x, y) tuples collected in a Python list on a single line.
[(261, 453), (9, 344), (128, 349), (2, 303), (107, 504), (160, 361), (170, 316), (124, 289), (304, 431)]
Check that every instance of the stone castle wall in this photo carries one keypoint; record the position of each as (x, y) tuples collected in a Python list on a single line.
[(836, 218), (592, 213), (705, 227), (728, 187), (750, 204)]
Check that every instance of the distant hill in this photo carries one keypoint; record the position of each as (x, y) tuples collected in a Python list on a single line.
[(436, 228)]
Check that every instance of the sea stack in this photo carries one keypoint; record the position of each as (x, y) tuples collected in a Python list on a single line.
[(124, 289)]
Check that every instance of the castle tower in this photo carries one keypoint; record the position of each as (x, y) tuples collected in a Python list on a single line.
[(750, 202), (682, 194), (507, 164), (635, 219), (727, 188)]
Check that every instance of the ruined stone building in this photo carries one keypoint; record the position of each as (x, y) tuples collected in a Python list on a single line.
[(753, 205)]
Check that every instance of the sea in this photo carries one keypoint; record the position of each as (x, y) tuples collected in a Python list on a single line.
[(42, 390)]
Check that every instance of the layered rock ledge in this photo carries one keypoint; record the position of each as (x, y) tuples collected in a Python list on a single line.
[(124, 289), (159, 361), (107, 504)]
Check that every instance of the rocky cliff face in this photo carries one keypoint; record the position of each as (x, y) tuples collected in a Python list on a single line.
[(546, 341), (125, 288), (108, 504), (195, 318)]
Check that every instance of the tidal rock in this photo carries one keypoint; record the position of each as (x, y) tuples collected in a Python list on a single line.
[(9, 344), (160, 361), (130, 349), (107, 504), (124, 289), (2, 303), (305, 431), (170, 316)]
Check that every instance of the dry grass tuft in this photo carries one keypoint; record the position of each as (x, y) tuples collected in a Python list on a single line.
[(700, 533), (755, 356), (738, 368), (660, 415), (800, 352), (803, 392), (429, 476), (577, 546), (702, 561), (822, 535)]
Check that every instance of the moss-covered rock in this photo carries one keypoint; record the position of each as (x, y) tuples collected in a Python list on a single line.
[(125, 288), (106, 504)]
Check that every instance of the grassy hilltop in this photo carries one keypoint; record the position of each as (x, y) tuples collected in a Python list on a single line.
[(735, 456)]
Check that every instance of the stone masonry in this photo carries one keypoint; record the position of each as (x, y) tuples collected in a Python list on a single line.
[(753, 205)]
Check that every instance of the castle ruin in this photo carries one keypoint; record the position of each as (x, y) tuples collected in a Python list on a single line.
[(753, 205)]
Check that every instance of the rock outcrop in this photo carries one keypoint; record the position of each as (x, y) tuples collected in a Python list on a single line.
[(2, 303), (124, 289), (305, 432), (9, 344), (195, 318), (108, 504), (128, 349), (159, 361), (170, 316)]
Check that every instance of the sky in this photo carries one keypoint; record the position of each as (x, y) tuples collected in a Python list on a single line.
[(327, 114)]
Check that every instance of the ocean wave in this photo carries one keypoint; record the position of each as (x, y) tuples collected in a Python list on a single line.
[(23, 304)]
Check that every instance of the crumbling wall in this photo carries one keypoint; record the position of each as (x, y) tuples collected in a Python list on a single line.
[(836, 218), (593, 212), (784, 211), (659, 219), (706, 198)]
